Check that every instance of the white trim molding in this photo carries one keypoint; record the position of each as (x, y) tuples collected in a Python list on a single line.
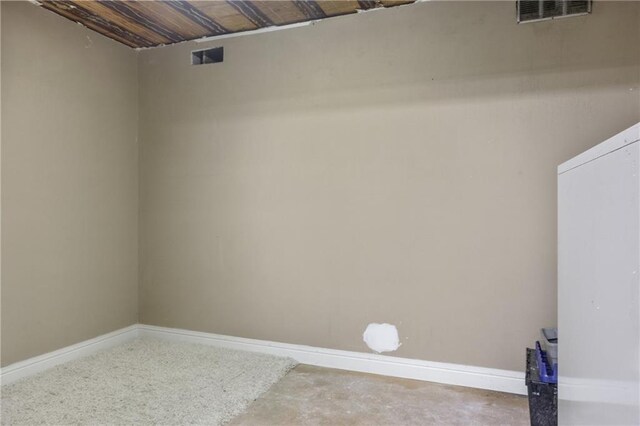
[(31, 366), (438, 372)]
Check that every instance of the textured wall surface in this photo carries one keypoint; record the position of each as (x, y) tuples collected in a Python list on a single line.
[(69, 183), (395, 166)]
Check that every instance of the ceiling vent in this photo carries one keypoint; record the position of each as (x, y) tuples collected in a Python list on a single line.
[(540, 10), (207, 56)]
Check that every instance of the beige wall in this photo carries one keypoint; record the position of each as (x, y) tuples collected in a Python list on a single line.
[(69, 183), (395, 166)]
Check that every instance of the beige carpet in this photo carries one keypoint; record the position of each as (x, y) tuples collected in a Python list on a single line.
[(146, 381)]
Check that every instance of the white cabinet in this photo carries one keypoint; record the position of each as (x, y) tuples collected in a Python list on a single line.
[(599, 284)]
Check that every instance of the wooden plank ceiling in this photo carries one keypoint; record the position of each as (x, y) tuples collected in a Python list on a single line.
[(160, 22)]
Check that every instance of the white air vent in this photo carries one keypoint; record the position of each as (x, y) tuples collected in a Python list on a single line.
[(539, 10)]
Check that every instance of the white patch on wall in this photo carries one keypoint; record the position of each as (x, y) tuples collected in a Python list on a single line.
[(381, 337)]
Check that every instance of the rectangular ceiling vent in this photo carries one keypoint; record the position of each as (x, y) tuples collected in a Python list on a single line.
[(540, 10), (207, 56)]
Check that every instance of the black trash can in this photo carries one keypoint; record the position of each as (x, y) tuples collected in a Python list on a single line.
[(543, 397)]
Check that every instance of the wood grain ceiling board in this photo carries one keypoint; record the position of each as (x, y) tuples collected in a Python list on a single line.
[(159, 22), (281, 12), (252, 12), (190, 10), (227, 15), (338, 7), (166, 16), (310, 8), (96, 23), (113, 12)]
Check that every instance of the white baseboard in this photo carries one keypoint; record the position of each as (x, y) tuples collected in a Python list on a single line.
[(438, 372), (452, 374), (31, 366)]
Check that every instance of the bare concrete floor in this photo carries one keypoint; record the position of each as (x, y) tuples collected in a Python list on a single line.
[(323, 396)]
